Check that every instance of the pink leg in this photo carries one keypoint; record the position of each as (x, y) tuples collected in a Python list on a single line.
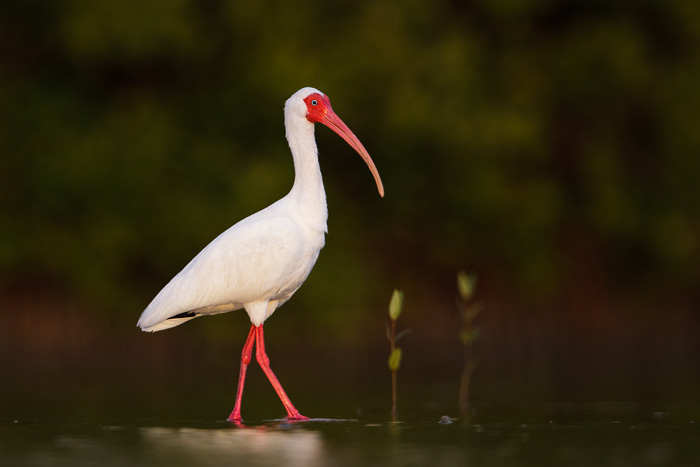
[(245, 360), (264, 361)]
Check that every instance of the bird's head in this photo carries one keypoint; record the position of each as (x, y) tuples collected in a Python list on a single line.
[(316, 108)]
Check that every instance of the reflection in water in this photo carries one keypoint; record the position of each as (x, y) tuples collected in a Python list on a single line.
[(317, 444), (263, 444)]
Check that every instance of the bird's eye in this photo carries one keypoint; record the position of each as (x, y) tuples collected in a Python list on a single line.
[(314, 102)]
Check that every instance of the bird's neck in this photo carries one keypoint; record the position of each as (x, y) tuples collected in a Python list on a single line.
[(308, 192)]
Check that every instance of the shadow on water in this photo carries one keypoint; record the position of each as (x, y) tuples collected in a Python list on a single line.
[(600, 434)]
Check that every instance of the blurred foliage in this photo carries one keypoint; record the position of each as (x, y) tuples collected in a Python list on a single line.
[(524, 139)]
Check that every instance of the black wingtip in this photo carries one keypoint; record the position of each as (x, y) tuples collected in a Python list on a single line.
[(186, 314)]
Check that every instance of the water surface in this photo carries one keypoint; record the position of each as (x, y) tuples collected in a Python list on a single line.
[(551, 434)]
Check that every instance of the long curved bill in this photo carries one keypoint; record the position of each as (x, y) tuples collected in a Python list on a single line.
[(332, 121)]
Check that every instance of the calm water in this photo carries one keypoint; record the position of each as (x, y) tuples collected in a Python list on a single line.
[(163, 402), (594, 434)]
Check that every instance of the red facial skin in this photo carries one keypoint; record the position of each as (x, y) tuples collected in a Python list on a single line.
[(317, 105)]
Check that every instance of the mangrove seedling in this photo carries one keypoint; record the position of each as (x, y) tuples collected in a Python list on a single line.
[(395, 307), (468, 333)]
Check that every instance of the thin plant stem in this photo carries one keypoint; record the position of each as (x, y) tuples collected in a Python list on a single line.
[(393, 373)]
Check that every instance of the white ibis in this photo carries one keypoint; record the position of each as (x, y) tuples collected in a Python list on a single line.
[(262, 260)]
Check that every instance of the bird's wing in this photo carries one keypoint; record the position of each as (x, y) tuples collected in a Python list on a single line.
[(264, 257)]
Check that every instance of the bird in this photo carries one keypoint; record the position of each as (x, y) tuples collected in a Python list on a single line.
[(259, 262)]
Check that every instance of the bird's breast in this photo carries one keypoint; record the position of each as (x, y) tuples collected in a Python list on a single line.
[(274, 263)]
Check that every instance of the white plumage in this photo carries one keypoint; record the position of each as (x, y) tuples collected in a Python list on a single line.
[(262, 260)]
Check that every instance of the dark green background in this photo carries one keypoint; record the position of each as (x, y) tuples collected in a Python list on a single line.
[(550, 147)]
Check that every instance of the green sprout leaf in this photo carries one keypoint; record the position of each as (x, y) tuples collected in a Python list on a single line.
[(395, 304), (466, 284), (395, 359)]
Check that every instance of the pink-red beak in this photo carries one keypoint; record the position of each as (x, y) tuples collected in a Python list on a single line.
[(332, 121)]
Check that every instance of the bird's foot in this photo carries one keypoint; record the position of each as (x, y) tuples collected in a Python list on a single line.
[(235, 417), (297, 417)]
